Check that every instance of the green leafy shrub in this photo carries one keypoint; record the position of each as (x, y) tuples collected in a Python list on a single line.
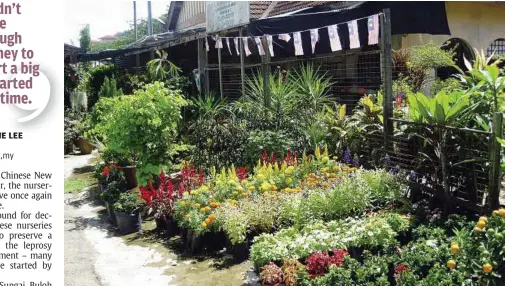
[(109, 88), (144, 126), (127, 202)]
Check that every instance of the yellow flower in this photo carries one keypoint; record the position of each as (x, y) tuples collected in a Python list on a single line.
[(197, 205), (289, 170), (232, 182), (487, 268), (288, 181), (202, 210), (207, 221), (451, 264), (235, 193), (325, 169), (212, 216), (325, 159), (483, 218), (260, 177), (273, 188), (481, 224), (455, 248), (251, 188), (239, 188), (265, 186), (335, 168), (477, 229), (185, 194), (195, 192), (203, 224), (501, 212)]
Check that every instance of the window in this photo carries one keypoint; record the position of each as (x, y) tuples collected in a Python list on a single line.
[(497, 47)]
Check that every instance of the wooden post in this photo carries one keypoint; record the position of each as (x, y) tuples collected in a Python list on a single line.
[(265, 63), (387, 76), (202, 65), (493, 197), (220, 71), (242, 67)]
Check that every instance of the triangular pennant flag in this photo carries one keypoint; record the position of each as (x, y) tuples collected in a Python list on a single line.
[(261, 50), (228, 45), (334, 38), (284, 37), (270, 45), (235, 41), (219, 43), (297, 37), (206, 44), (246, 47), (373, 29), (353, 34), (314, 38)]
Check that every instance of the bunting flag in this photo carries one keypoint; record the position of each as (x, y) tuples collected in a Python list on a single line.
[(246, 47), (353, 34), (297, 37), (219, 43), (373, 29), (284, 37), (206, 44), (228, 45), (235, 41), (270, 45), (334, 38), (261, 50), (314, 38)]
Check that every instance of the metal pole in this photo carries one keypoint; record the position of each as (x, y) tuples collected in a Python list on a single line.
[(242, 68), (387, 78), (135, 19), (493, 198), (265, 62), (149, 19), (220, 71)]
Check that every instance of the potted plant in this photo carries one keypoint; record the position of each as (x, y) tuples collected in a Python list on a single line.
[(271, 275), (82, 142), (127, 211), (144, 126), (116, 185)]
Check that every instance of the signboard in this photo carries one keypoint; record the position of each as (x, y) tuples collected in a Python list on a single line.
[(222, 15)]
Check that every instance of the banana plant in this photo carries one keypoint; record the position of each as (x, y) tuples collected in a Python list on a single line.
[(439, 112)]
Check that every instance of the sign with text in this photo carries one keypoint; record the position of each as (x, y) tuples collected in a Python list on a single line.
[(222, 15)]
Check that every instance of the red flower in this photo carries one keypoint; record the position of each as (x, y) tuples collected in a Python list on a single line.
[(337, 258), (399, 269), (241, 173), (105, 172)]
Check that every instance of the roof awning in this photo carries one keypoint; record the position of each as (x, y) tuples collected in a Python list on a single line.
[(407, 17)]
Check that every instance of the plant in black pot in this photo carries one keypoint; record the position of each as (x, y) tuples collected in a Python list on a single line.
[(127, 211), (116, 185)]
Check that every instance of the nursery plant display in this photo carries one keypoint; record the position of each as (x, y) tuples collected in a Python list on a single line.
[(127, 212)]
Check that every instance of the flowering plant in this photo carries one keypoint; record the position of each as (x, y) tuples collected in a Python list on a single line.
[(271, 274)]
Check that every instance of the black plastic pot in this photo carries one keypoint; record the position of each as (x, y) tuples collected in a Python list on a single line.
[(110, 213), (128, 222)]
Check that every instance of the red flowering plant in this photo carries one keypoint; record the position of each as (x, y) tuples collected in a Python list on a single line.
[(319, 262), (161, 199), (399, 269), (271, 274), (290, 159)]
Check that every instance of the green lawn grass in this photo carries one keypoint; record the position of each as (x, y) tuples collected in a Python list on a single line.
[(77, 182)]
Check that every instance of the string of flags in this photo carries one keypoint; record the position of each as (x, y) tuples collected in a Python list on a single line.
[(332, 30)]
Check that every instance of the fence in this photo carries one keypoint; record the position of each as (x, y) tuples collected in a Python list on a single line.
[(469, 175)]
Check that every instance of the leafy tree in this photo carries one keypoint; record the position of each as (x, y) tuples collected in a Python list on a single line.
[(127, 37)]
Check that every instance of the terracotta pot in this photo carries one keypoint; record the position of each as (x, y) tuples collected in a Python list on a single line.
[(130, 176), (84, 146)]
